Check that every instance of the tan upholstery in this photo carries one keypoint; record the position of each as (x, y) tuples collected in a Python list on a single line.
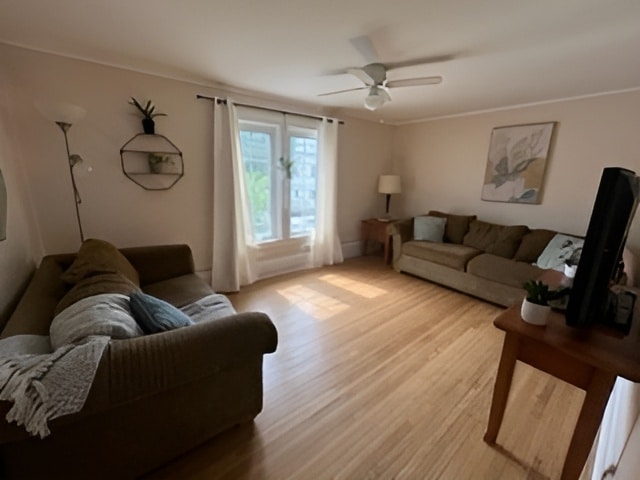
[(153, 397), (484, 266), (457, 225), (502, 240), (447, 254), (503, 270), (532, 245)]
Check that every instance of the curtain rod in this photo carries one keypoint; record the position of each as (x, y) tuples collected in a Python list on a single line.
[(219, 100)]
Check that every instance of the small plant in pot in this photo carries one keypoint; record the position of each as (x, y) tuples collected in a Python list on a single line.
[(535, 307), (159, 163), (148, 112)]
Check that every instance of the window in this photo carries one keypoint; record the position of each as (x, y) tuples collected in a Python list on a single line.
[(280, 163)]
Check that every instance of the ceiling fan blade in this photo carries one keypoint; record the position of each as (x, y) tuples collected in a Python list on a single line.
[(342, 91), (411, 82), (419, 61), (363, 76), (365, 47)]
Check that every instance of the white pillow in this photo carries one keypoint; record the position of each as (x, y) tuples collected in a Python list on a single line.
[(105, 314), (429, 228), (559, 249)]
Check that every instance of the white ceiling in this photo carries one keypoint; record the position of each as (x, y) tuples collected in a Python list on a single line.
[(506, 52)]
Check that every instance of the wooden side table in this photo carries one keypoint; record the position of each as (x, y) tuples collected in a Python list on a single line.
[(586, 358), (374, 229)]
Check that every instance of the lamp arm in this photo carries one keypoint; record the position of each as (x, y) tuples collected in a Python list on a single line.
[(388, 201), (71, 160)]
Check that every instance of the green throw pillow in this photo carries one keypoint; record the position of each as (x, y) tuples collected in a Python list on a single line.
[(429, 228), (155, 315)]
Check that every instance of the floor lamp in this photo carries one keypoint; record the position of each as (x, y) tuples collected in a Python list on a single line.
[(65, 115)]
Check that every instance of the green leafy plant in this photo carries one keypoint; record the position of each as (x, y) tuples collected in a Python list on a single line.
[(286, 164), (148, 111), (539, 292), (157, 162)]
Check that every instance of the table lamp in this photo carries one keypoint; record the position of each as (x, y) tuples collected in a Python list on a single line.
[(389, 185)]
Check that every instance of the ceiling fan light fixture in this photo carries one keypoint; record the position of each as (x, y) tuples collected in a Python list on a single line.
[(374, 100)]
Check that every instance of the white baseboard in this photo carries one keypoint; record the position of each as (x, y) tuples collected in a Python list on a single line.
[(351, 249)]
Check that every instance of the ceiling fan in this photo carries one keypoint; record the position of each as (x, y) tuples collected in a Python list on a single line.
[(374, 74)]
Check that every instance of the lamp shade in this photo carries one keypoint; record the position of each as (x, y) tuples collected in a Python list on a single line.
[(389, 184)]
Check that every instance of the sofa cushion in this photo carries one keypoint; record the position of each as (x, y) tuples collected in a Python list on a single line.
[(155, 315), (456, 227), (501, 240), (104, 314), (447, 254), (532, 245), (426, 227), (179, 291), (503, 270), (96, 285), (98, 256)]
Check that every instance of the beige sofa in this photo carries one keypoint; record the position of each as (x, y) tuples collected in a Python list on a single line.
[(486, 260), (153, 397)]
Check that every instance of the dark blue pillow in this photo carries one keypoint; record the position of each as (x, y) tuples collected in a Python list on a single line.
[(155, 315)]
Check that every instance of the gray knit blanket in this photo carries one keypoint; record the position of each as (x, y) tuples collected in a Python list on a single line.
[(43, 385)]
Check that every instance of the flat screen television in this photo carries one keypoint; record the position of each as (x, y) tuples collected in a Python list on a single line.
[(600, 262)]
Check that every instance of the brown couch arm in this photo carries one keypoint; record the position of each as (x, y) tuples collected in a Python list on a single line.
[(401, 231), (146, 365)]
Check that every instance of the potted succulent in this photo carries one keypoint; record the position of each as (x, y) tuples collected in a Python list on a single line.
[(159, 163), (535, 307), (148, 114)]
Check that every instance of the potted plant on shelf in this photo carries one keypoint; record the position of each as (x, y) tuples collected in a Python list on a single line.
[(535, 307), (159, 163), (148, 114)]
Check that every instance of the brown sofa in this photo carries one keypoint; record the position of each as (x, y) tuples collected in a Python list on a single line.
[(482, 259), (154, 396)]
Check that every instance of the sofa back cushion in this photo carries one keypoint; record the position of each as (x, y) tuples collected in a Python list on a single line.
[(501, 240), (533, 244), (96, 257), (456, 227)]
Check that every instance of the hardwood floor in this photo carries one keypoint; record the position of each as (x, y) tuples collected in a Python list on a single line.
[(379, 375)]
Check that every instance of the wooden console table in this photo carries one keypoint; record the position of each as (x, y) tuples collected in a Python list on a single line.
[(589, 359), (374, 229)]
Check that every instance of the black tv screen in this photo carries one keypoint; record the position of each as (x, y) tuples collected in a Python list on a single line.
[(601, 258)]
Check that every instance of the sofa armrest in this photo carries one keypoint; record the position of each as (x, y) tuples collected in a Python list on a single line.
[(160, 262), (401, 231), (149, 364)]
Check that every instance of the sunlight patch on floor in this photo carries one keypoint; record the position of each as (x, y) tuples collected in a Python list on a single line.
[(359, 288), (312, 302)]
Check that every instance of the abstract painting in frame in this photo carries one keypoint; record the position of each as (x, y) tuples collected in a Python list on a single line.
[(517, 160)]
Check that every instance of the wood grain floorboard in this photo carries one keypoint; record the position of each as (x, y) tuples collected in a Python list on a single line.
[(379, 375)]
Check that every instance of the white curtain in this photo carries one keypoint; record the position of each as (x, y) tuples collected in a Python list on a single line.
[(325, 248), (617, 422), (232, 261)]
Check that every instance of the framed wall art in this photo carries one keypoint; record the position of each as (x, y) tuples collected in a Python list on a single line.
[(517, 160)]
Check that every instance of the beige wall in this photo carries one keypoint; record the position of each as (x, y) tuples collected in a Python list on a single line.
[(21, 249), (365, 153), (114, 208), (443, 162)]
